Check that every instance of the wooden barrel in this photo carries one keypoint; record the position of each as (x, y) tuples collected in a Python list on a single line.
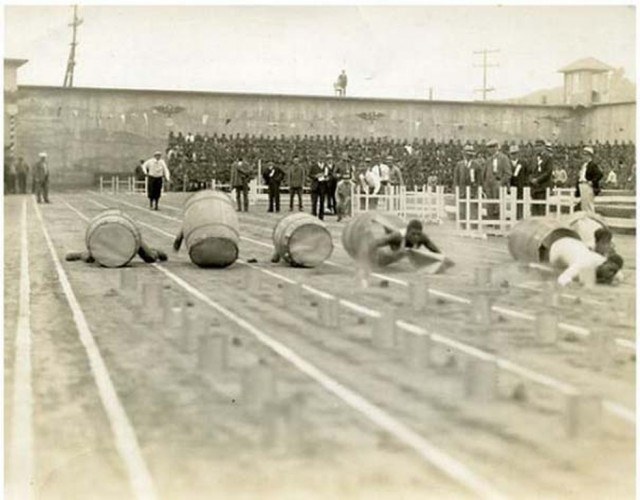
[(113, 238), (211, 229), (302, 240), (585, 224), (531, 239), (363, 228)]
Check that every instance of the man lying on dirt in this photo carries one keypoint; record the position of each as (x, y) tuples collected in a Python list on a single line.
[(583, 264), (383, 242), (145, 252)]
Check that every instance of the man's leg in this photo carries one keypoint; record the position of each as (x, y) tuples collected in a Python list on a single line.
[(45, 189), (245, 197), (299, 198), (586, 198), (276, 196), (38, 188), (314, 202), (271, 198), (321, 196), (238, 198), (291, 194)]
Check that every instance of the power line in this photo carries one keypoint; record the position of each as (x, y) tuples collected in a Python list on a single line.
[(71, 62), (484, 67)]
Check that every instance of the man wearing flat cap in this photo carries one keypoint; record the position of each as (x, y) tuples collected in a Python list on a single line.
[(41, 178), (156, 170), (520, 176), (588, 183), (541, 176), (468, 173), (497, 173)]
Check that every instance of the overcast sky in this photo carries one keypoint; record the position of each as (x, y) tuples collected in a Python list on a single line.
[(387, 51)]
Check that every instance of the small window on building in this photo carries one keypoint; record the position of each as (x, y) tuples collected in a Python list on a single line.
[(595, 96)]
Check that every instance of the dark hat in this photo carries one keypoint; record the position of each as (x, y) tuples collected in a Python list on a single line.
[(539, 142)]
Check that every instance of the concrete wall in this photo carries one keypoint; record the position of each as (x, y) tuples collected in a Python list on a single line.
[(108, 130), (608, 122)]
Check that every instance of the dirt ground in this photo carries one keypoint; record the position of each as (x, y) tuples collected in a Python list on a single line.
[(200, 436)]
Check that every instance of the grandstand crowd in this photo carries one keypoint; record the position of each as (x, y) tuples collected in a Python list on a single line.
[(201, 158)]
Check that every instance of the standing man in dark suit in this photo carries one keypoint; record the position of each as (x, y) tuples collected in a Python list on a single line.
[(468, 172), (239, 178), (588, 183), (541, 175), (41, 178), (272, 177), (295, 178), (520, 176), (318, 175), (497, 173), (332, 183)]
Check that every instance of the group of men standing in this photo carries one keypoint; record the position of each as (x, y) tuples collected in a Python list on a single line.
[(512, 171), (330, 182), (17, 172)]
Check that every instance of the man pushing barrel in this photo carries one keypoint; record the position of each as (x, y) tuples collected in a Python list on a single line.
[(378, 240), (548, 241), (113, 239)]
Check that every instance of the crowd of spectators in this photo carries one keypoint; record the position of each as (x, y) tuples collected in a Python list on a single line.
[(199, 158)]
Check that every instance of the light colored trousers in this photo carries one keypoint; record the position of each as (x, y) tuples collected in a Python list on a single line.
[(587, 197)]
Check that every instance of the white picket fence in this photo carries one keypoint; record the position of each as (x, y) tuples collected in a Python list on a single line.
[(116, 184), (477, 214), (426, 203)]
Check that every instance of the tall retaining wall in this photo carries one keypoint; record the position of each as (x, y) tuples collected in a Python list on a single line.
[(105, 130)]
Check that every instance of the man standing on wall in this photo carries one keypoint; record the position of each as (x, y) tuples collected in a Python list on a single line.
[(156, 170), (295, 179), (541, 176), (41, 178), (588, 184)]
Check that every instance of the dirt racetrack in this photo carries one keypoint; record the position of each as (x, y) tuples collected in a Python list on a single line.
[(351, 418)]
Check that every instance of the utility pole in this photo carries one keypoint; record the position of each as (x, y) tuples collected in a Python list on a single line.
[(71, 63), (484, 66)]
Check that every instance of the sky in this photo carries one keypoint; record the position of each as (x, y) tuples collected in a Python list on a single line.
[(387, 51)]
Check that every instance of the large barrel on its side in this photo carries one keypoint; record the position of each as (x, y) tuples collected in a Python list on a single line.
[(368, 226), (302, 240), (113, 238), (530, 239), (585, 224), (211, 229)]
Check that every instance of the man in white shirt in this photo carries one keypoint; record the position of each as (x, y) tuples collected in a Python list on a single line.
[(562, 247), (384, 172), (156, 170)]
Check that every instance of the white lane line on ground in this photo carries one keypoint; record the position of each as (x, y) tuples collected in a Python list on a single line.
[(504, 364), (434, 456), (513, 313), (21, 480), (125, 438)]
